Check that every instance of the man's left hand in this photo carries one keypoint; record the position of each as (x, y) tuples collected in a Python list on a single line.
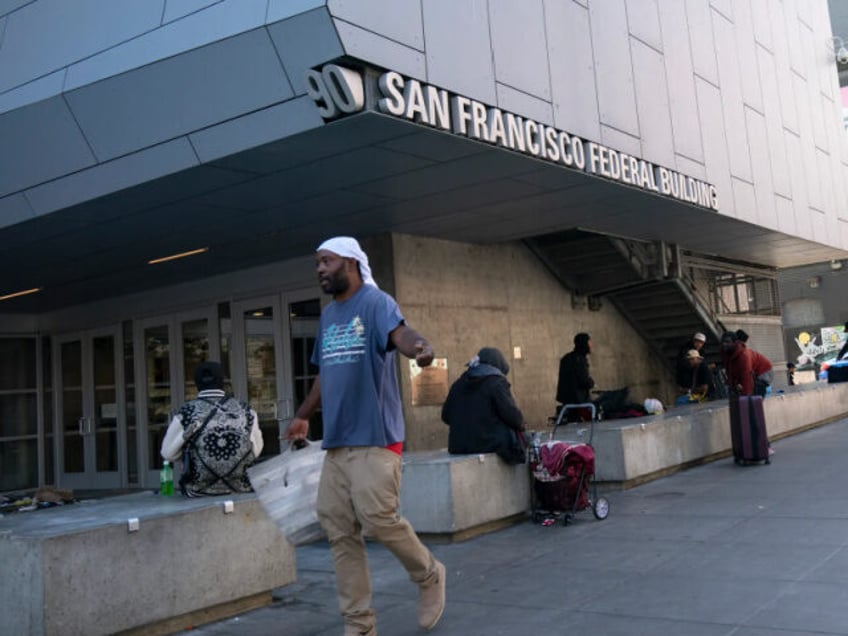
[(423, 353)]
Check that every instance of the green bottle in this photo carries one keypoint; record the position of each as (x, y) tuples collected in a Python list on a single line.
[(166, 479)]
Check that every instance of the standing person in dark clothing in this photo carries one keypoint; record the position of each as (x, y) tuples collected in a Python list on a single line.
[(748, 372), (575, 382), (481, 412)]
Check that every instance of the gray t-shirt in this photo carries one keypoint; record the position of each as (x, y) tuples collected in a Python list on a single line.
[(359, 390)]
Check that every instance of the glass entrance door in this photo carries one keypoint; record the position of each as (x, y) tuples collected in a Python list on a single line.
[(167, 352), (90, 410), (272, 340), (258, 358)]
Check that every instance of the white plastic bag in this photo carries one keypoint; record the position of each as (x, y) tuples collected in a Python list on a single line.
[(287, 487)]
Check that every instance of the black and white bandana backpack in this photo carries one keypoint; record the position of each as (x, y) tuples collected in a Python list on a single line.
[(217, 450)]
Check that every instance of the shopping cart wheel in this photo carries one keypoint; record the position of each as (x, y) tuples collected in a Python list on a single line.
[(601, 509)]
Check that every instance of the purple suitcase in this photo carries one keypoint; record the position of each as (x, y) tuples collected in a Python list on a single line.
[(748, 429)]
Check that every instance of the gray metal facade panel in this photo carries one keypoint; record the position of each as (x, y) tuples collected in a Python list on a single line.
[(7, 6), (175, 9), (681, 80), (527, 105), (403, 23), (41, 142), (459, 49), (730, 82), (643, 21), (798, 180), (111, 176), (744, 199), (793, 36), (381, 51), (304, 41), (569, 39), (691, 168), (255, 129), (808, 153), (282, 9), (181, 94), (725, 7), (755, 124), (202, 28), (652, 103), (700, 27), (747, 50), (618, 140), (715, 148), (785, 211), (762, 12), (771, 104), (43, 37), (43, 88), (519, 46), (14, 209), (783, 72), (613, 64), (2, 30), (814, 96)]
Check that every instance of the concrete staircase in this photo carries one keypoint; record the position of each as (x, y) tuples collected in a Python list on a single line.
[(644, 281)]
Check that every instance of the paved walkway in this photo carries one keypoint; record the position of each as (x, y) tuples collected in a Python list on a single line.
[(716, 550)]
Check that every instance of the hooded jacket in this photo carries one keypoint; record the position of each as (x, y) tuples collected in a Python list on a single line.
[(482, 415), (738, 364)]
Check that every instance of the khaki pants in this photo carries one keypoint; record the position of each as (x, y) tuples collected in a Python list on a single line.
[(359, 493)]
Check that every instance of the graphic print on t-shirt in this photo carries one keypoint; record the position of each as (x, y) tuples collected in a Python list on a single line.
[(343, 343)]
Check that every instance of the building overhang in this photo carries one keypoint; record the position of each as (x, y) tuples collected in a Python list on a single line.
[(362, 175)]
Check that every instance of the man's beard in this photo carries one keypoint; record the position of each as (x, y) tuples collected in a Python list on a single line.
[(335, 284)]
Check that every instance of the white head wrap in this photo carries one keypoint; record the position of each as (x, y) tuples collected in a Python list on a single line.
[(348, 247)]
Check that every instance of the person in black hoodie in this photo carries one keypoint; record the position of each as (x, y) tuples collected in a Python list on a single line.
[(574, 381), (481, 412)]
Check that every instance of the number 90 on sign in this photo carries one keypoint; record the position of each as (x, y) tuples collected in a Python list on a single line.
[(335, 90)]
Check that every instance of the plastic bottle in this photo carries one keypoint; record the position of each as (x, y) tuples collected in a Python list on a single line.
[(166, 479)]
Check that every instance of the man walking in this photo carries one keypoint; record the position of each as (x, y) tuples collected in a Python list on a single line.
[(363, 434)]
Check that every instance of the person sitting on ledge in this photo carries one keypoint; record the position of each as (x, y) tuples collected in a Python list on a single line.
[(481, 412)]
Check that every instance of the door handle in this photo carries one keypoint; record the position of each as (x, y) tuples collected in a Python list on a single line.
[(81, 423)]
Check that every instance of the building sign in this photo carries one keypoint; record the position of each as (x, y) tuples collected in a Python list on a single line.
[(339, 91)]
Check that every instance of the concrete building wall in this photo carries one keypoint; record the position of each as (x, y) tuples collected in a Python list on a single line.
[(463, 297), (744, 95)]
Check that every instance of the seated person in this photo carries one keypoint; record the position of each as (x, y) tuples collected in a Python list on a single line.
[(699, 382), (480, 410), (217, 437), (696, 342)]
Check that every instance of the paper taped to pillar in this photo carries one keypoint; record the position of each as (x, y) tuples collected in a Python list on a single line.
[(287, 487), (429, 384)]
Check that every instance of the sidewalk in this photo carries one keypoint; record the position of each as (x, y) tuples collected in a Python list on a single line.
[(716, 550)]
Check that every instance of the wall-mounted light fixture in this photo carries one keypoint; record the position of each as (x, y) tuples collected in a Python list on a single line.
[(839, 49), (814, 282), (18, 294), (174, 257), (836, 265)]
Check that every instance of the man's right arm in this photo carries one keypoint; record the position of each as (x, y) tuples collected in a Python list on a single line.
[(299, 426)]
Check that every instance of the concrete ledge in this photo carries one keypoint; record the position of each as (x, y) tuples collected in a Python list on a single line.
[(460, 496), (79, 570), (632, 451)]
